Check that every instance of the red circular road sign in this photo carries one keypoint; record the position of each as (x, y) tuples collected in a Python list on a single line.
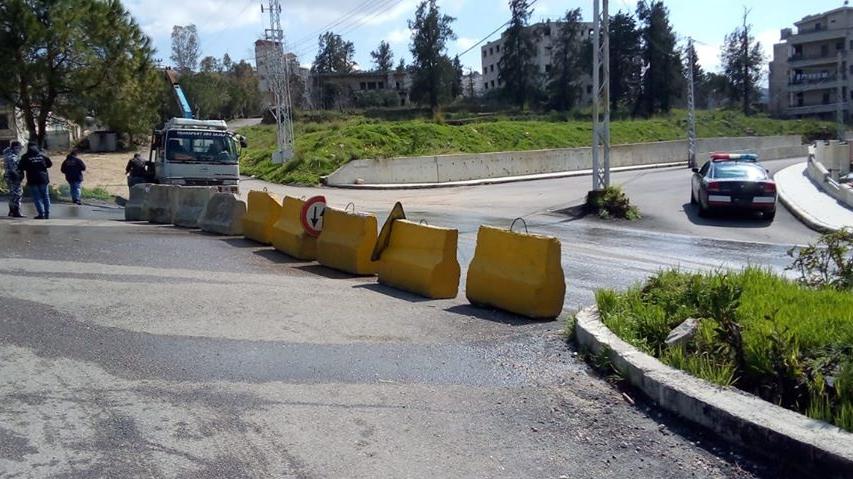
[(312, 215)]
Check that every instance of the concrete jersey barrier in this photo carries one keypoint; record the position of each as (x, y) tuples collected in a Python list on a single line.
[(347, 241), (262, 213), (421, 259), (134, 210), (191, 202), (463, 167), (519, 273), (288, 234), (160, 204), (223, 215)]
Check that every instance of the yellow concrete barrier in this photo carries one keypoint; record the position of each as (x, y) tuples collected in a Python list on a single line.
[(347, 241), (288, 234), (262, 213), (421, 259), (520, 273)]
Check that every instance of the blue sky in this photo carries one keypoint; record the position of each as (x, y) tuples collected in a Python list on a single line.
[(232, 26)]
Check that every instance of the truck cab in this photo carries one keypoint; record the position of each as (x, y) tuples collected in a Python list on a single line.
[(192, 152)]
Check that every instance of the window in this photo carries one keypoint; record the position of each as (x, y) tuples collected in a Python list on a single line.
[(492, 68), (382, 85), (491, 51), (824, 50), (851, 69), (397, 85), (547, 31), (493, 83), (486, 70), (839, 46), (589, 89), (818, 26), (363, 86), (4, 122), (851, 44), (498, 49), (371, 85), (547, 68), (484, 52), (826, 98)]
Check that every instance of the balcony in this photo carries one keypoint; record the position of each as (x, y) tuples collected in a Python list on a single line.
[(801, 61), (814, 109), (818, 81), (810, 36)]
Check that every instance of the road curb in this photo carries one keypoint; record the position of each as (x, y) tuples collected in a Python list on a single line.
[(814, 447), (801, 214), (497, 181)]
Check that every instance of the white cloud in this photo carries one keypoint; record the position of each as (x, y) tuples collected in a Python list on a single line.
[(399, 36), (709, 56), (464, 43), (210, 16)]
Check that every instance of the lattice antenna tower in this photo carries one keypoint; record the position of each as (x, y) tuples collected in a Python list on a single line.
[(279, 75)]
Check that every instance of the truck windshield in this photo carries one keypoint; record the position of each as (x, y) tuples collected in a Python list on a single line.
[(200, 147)]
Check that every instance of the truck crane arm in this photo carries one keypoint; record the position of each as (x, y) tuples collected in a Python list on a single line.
[(183, 103)]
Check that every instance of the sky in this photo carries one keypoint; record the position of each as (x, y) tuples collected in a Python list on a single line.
[(232, 26)]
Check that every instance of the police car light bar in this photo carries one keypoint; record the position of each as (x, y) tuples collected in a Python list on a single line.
[(734, 157)]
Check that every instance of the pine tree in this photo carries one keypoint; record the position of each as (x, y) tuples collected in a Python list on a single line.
[(519, 74), (74, 58), (566, 63), (456, 87), (626, 62), (432, 79), (383, 57), (334, 55), (662, 78), (742, 59)]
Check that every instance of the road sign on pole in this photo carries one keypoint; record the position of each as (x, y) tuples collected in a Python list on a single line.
[(312, 215)]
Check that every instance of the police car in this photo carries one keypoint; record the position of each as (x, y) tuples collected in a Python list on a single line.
[(733, 181)]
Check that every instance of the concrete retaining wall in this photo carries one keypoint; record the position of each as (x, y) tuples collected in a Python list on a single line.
[(446, 168), (837, 155)]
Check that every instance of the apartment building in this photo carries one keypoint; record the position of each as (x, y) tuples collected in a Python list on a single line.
[(544, 34), (265, 52), (812, 67)]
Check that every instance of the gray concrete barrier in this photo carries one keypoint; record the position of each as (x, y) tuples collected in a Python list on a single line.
[(223, 215), (160, 203), (191, 202), (134, 210), (831, 155), (447, 168)]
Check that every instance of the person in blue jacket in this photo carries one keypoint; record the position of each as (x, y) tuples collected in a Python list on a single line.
[(34, 165)]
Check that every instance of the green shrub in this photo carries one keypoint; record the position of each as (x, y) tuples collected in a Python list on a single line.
[(612, 202), (786, 342)]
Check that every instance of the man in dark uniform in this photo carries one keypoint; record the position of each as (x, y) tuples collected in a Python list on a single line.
[(11, 157), (135, 171), (34, 164)]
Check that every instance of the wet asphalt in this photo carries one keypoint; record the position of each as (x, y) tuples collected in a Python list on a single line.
[(135, 350)]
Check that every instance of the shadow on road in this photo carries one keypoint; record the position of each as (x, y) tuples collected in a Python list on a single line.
[(278, 257), (394, 293), (325, 272), (243, 243), (494, 315), (728, 219)]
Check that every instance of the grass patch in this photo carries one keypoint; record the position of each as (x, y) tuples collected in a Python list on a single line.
[(98, 193), (785, 342), (325, 142)]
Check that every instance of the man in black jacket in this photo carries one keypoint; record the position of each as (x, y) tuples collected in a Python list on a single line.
[(73, 168), (136, 171), (34, 164)]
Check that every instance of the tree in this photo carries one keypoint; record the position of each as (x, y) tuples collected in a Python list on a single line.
[(227, 63), (334, 55), (401, 67), (566, 63), (74, 58), (518, 70), (430, 32), (382, 57), (209, 65), (185, 47), (458, 73), (742, 59), (626, 63), (662, 78)]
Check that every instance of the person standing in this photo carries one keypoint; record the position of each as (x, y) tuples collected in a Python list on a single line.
[(135, 171), (34, 164), (73, 168), (11, 156)]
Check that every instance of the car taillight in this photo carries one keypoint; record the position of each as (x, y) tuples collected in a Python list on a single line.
[(714, 186), (768, 187)]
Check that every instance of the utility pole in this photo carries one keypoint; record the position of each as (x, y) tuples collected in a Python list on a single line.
[(840, 98), (691, 109), (601, 96), (281, 107)]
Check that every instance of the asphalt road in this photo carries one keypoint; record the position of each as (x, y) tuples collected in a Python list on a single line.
[(133, 350)]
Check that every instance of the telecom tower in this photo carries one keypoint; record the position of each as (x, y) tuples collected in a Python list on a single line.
[(601, 96), (691, 108), (281, 108)]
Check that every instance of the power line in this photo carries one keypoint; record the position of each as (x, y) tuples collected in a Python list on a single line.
[(345, 24), (496, 30)]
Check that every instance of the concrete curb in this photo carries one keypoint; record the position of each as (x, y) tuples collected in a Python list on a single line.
[(496, 181), (814, 447), (801, 214)]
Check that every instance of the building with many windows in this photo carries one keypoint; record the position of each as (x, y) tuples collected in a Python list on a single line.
[(544, 33), (812, 67)]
